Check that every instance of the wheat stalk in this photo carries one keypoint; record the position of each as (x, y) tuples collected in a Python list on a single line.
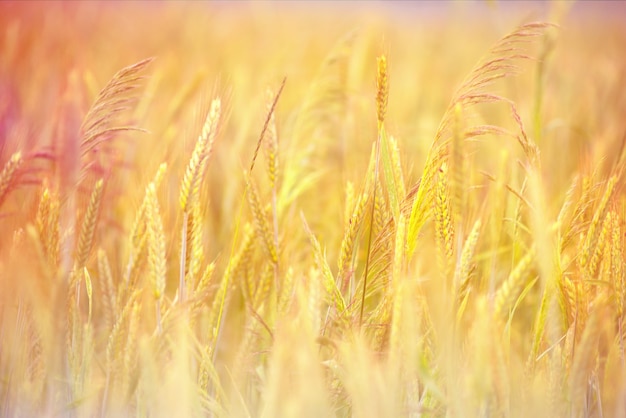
[(382, 96)]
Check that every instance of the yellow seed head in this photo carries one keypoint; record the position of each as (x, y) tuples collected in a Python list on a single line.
[(156, 240), (443, 225), (382, 88), (510, 290), (190, 187), (85, 240)]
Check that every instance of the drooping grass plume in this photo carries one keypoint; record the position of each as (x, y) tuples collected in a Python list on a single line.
[(98, 125), (499, 64)]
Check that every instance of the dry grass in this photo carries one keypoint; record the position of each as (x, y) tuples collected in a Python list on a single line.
[(280, 216)]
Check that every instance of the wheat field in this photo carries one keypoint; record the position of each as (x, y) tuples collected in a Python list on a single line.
[(314, 209)]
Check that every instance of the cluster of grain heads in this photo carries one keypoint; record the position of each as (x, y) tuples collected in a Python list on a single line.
[(457, 291), (191, 249)]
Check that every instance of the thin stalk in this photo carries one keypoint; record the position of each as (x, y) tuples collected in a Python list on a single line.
[(183, 258), (158, 317), (369, 239), (275, 222), (215, 335)]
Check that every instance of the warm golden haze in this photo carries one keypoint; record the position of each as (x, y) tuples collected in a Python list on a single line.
[(309, 210)]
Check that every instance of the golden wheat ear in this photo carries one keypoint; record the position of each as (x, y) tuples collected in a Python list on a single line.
[(190, 187), (88, 229), (190, 198)]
